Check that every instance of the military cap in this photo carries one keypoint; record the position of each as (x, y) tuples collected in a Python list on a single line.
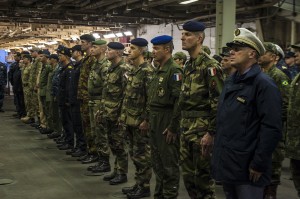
[(179, 55), (34, 49), (44, 52), (225, 52), (76, 48), (193, 26), (289, 54), (206, 49), (218, 58), (279, 51), (87, 37), (297, 46), (53, 56), (25, 53), (64, 50), (99, 42), (116, 45), (139, 42), (27, 56), (270, 47), (163, 39), (244, 37)]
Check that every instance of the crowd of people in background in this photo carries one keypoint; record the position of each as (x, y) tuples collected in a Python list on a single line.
[(229, 119)]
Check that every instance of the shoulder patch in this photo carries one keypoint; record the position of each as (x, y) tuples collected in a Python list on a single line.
[(212, 71), (177, 77)]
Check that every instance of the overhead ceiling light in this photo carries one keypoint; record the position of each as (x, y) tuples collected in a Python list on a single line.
[(119, 34), (188, 1), (128, 33), (96, 35), (108, 36)]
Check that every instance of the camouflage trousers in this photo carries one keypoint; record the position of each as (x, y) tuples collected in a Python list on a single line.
[(42, 111), (277, 158), (117, 144), (164, 157), (27, 97), (86, 125), (295, 165), (139, 151), (94, 106), (32, 110), (53, 116), (195, 168)]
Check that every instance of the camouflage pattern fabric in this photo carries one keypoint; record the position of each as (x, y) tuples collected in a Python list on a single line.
[(201, 87)]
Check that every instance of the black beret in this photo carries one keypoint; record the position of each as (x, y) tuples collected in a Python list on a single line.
[(25, 53), (18, 54), (87, 37), (76, 48), (225, 51), (139, 42), (289, 54), (64, 50), (193, 26), (53, 56), (164, 39), (44, 52), (116, 45), (27, 56)]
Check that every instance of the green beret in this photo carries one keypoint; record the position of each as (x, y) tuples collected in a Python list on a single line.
[(193, 26), (270, 47), (206, 49), (179, 55), (99, 42), (244, 37)]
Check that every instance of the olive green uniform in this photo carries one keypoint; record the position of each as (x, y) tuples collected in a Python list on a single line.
[(112, 96), (95, 87), (293, 131), (201, 87), (133, 114), (163, 97)]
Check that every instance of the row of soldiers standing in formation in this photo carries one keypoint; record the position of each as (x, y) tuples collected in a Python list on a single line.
[(167, 115)]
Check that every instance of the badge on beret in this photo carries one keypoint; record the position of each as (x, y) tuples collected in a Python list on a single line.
[(160, 92), (237, 32)]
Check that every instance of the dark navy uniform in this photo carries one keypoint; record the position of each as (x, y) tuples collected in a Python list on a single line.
[(248, 137), (3, 82)]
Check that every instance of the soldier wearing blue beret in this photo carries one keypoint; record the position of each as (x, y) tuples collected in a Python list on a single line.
[(202, 85), (164, 117)]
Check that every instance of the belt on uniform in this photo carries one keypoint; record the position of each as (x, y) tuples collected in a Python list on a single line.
[(194, 114)]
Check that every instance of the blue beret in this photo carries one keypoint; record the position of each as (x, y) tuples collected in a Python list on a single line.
[(116, 45), (139, 42), (164, 39), (87, 37), (193, 26)]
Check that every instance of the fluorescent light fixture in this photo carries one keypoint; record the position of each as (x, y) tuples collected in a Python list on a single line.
[(96, 35), (188, 1), (74, 38), (41, 46), (128, 33), (30, 47), (119, 34), (108, 36), (51, 42)]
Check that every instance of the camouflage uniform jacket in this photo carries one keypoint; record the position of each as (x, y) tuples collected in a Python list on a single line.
[(202, 84), (96, 79), (135, 97), (35, 68), (49, 83), (113, 91), (293, 129), (164, 91), (87, 63), (26, 75), (282, 81), (44, 79)]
